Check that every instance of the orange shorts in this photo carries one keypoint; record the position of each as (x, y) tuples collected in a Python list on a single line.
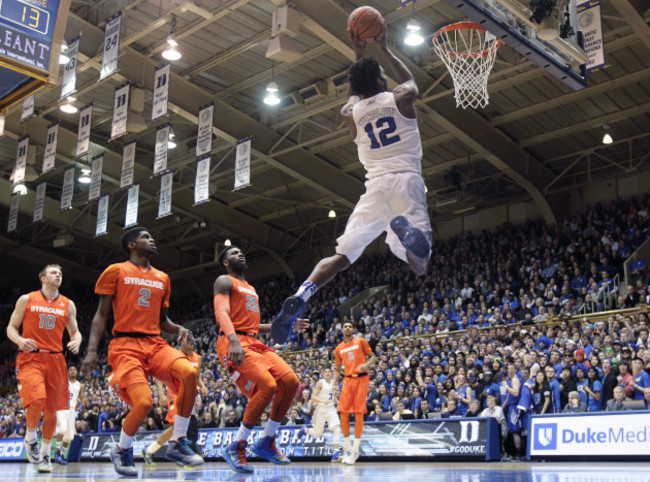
[(258, 359), (134, 360), (354, 395), (43, 376), (171, 411)]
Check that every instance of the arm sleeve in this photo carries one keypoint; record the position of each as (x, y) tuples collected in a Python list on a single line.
[(107, 282)]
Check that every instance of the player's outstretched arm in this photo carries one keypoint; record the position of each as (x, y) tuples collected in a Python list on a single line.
[(73, 329), (24, 344), (97, 330), (222, 289), (402, 74), (168, 326)]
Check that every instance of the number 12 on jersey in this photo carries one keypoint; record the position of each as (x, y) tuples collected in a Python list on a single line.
[(384, 126)]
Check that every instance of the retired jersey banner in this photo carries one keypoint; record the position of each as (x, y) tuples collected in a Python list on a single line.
[(243, 164), (39, 202), (160, 92), (202, 182), (160, 153), (50, 148), (28, 109), (204, 138), (102, 215), (95, 178), (83, 135), (589, 22), (131, 218), (69, 82), (128, 165), (111, 46), (165, 201), (120, 111), (13, 213), (21, 161), (68, 189)]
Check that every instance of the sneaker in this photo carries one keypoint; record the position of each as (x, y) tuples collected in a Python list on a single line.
[(235, 455), (123, 461), (180, 451), (148, 459), (266, 448), (281, 326), (337, 455), (45, 465), (59, 458), (32, 451), (412, 238), (351, 458)]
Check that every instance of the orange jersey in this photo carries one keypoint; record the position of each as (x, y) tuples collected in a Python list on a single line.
[(195, 360), (45, 320), (244, 307), (352, 354), (138, 296)]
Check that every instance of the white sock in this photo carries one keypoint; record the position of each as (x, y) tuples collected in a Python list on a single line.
[(58, 445), (357, 443), (271, 428), (30, 435), (306, 290), (46, 447), (243, 433), (348, 445), (180, 427), (126, 440), (153, 448)]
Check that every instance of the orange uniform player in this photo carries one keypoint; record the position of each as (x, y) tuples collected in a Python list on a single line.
[(40, 366), (139, 296), (355, 354)]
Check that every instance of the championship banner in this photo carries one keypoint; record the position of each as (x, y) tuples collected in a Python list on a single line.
[(95, 178), (69, 82), (83, 135), (21, 161), (202, 182), (589, 22), (28, 109), (68, 189), (102, 215), (204, 138), (160, 92), (128, 164), (165, 201), (111, 46), (120, 111), (160, 152), (39, 202), (50, 148), (243, 164), (131, 218), (13, 213)]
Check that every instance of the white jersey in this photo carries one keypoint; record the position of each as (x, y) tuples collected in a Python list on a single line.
[(387, 142), (326, 394), (74, 388)]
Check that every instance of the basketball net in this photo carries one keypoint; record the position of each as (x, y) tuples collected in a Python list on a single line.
[(468, 51)]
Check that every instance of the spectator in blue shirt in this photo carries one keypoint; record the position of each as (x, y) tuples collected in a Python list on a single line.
[(554, 385), (594, 391), (641, 378), (638, 267)]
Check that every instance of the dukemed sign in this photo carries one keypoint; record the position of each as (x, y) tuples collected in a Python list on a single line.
[(624, 433)]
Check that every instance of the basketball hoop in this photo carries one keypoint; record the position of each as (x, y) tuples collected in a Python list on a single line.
[(468, 51)]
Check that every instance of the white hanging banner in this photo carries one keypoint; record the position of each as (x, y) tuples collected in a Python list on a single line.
[(21, 161), (204, 138), (83, 134), (102, 215), (69, 82), (28, 109), (39, 202), (160, 153), (128, 164), (2, 125), (590, 23), (68, 189), (111, 46), (120, 111), (50, 147), (95, 178), (165, 201), (243, 164), (160, 92), (131, 218), (202, 183), (13, 213)]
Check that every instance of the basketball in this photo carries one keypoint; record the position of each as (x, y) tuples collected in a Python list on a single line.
[(367, 22)]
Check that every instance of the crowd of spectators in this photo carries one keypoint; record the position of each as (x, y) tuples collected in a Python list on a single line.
[(444, 341)]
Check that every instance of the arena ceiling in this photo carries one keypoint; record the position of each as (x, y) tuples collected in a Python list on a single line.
[(535, 141)]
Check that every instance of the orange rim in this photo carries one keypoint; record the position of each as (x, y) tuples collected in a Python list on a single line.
[(465, 26)]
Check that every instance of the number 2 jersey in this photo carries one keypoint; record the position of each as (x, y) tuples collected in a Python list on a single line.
[(44, 321), (138, 296), (387, 142)]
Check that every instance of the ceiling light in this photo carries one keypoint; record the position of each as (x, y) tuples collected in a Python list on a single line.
[(170, 139), (171, 144), (607, 138), (171, 53), (227, 243), (68, 106), (63, 58), (271, 94), (20, 189), (413, 38), (331, 214), (85, 176)]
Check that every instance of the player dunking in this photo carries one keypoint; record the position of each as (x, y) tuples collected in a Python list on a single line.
[(356, 356), (385, 130), (66, 418), (322, 401), (255, 368), (139, 295), (40, 365)]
